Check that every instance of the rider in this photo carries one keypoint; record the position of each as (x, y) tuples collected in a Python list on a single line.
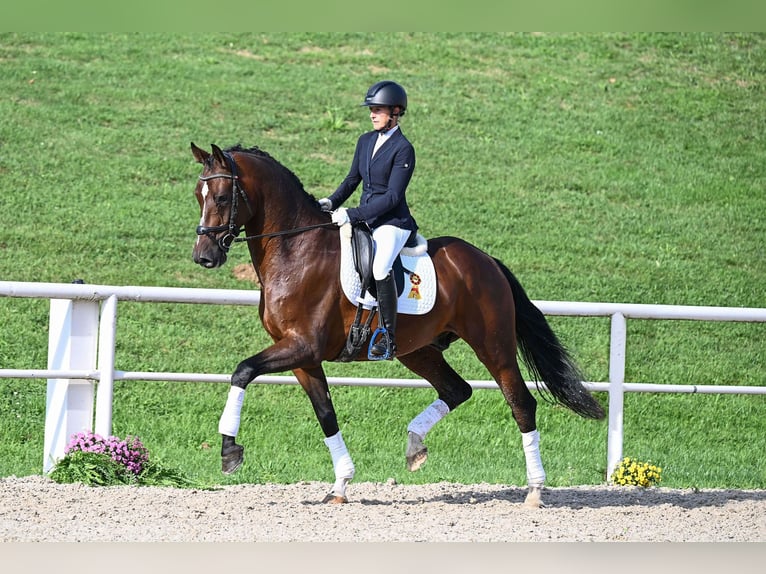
[(384, 161)]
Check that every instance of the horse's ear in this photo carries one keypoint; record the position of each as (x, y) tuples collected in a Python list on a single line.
[(218, 155), (199, 154)]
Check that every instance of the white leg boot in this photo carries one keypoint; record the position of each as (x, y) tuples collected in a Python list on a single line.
[(535, 471), (343, 466)]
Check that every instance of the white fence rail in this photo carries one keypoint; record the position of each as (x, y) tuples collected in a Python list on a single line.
[(83, 327)]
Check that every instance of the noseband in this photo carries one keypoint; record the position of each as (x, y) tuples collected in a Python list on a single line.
[(232, 229)]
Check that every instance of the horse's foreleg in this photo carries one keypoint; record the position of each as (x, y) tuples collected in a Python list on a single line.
[(452, 389), (232, 454), (314, 382), (280, 356), (343, 467)]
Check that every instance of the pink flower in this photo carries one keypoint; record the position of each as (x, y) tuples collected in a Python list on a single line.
[(131, 452)]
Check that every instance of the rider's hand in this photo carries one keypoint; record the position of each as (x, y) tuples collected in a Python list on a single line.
[(325, 204), (340, 216)]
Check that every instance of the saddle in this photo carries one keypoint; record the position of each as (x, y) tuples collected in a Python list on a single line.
[(363, 251)]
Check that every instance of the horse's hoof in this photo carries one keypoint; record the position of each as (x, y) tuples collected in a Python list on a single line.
[(232, 459), (417, 452), (415, 461), (534, 497), (334, 499)]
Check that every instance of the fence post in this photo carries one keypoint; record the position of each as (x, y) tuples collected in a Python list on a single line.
[(106, 342), (618, 341), (72, 341)]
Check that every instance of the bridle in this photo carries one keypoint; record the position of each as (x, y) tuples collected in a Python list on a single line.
[(232, 229)]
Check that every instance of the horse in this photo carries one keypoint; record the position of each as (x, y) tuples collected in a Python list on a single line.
[(295, 251)]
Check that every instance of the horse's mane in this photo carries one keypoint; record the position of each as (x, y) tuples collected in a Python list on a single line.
[(258, 152)]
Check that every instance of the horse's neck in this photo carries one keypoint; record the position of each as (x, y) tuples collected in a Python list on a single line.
[(282, 206), (283, 254)]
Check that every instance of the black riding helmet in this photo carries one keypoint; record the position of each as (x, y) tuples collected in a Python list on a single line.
[(386, 93)]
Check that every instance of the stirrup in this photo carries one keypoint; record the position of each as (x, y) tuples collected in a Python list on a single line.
[(389, 354)]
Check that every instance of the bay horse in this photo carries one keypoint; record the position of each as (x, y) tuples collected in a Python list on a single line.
[(295, 250)]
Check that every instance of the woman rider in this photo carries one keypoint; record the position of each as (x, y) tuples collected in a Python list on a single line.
[(383, 161)]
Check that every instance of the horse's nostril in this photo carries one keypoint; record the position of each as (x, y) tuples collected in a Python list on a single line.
[(208, 261), (203, 261), (207, 258)]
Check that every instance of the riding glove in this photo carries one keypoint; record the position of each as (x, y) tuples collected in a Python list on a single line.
[(325, 204), (340, 217)]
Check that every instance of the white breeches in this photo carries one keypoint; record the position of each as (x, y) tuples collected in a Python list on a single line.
[(389, 241)]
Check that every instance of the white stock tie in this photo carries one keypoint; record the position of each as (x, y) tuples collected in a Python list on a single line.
[(379, 142)]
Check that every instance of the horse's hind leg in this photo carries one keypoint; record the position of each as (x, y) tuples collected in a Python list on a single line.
[(523, 405), (524, 408), (491, 334), (429, 363)]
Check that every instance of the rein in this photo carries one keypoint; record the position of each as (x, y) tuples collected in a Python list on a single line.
[(232, 229), (285, 231)]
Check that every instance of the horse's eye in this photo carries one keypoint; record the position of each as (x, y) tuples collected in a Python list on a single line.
[(221, 199)]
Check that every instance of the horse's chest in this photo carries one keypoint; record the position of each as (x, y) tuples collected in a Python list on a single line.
[(277, 311)]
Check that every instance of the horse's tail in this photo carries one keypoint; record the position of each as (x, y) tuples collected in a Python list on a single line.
[(546, 358)]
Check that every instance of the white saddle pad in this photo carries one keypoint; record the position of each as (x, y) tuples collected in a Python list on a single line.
[(419, 293)]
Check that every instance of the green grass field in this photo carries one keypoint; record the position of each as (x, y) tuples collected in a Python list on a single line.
[(598, 167)]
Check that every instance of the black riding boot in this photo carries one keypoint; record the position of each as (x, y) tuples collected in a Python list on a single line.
[(387, 306)]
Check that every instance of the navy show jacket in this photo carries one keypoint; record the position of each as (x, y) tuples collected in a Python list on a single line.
[(385, 178)]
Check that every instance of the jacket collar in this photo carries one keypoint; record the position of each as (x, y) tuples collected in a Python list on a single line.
[(390, 134)]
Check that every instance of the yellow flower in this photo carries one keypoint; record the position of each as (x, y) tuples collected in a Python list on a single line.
[(633, 472)]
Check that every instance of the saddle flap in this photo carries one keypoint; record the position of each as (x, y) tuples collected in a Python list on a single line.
[(363, 250)]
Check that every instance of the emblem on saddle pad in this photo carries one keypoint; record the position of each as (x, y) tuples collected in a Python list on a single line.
[(418, 293), (415, 291)]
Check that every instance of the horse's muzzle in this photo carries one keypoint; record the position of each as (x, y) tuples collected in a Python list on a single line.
[(210, 256)]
